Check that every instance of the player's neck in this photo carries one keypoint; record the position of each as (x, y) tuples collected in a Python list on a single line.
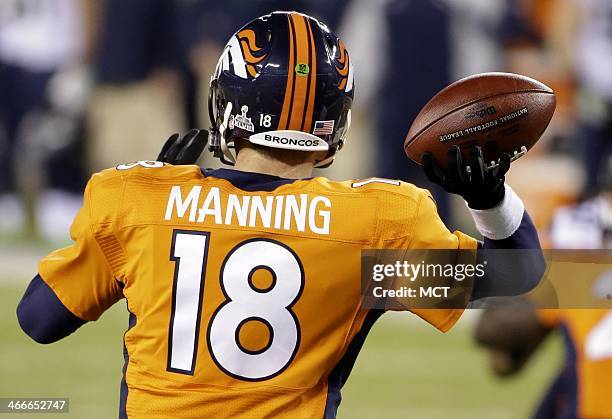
[(253, 160)]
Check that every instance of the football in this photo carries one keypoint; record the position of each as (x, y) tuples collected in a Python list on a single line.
[(501, 112)]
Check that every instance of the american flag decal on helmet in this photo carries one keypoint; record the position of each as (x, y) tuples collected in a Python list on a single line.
[(323, 128)]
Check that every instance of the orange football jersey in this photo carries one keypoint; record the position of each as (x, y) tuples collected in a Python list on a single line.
[(244, 290), (589, 346)]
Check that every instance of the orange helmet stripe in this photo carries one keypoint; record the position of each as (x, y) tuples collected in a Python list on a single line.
[(282, 124), (296, 118), (307, 126), (298, 103)]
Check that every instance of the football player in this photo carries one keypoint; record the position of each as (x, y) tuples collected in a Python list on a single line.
[(513, 334), (243, 285)]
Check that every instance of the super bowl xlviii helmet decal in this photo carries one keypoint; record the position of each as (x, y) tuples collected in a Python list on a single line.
[(284, 81)]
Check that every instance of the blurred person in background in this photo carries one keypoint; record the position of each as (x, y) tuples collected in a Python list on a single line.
[(415, 67), (581, 388), (512, 334), (43, 92), (586, 45), (138, 92), (573, 56)]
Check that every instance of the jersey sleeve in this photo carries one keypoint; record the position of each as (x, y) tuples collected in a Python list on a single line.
[(82, 275), (430, 232), (425, 231)]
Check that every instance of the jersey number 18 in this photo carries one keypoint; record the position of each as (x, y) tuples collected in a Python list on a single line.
[(244, 303)]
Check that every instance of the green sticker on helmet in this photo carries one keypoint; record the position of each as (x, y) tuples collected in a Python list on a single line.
[(302, 69)]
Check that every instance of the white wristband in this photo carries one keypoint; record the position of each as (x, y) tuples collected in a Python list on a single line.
[(502, 221)]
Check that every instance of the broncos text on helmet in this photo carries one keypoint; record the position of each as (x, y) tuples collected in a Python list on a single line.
[(284, 81)]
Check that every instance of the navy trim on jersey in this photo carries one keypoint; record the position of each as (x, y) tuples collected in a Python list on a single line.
[(561, 399), (42, 316), (123, 392), (249, 181), (343, 368), (514, 273)]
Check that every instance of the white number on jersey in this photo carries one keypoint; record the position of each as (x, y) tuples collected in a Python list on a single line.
[(189, 252), (599, 340), (244, 303)]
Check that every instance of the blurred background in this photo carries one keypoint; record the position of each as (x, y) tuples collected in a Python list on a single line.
[(89, 84)]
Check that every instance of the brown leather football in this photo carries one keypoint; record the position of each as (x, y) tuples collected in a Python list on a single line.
[(501, 112)]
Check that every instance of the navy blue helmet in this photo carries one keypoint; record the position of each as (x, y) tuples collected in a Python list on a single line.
[(284, 81)]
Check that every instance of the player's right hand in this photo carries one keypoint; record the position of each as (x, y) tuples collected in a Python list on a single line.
[(481, 187), (187, 149)]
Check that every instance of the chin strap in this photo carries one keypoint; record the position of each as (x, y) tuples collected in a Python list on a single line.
[(327, 161)]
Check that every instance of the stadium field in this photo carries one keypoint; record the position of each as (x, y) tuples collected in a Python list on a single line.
[(406, 370)]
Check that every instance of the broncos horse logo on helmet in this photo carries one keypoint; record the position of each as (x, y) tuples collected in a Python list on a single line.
[(344, 67), (250, 51), (295, 78)]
